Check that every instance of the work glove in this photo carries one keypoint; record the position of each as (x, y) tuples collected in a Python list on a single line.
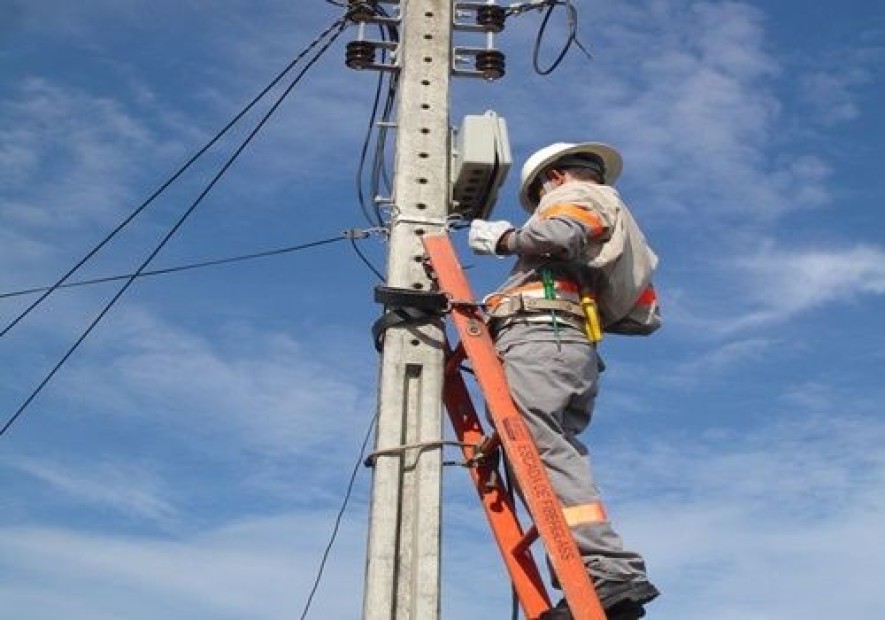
[(484, 236)]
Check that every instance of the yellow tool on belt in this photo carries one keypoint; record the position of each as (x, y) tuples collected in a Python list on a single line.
[(592, 325)]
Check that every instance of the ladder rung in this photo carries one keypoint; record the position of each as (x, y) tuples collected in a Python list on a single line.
[(491, 443), (454, 361), (531, 535)]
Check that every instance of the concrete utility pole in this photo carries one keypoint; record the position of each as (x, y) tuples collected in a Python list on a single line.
[(403, 566)]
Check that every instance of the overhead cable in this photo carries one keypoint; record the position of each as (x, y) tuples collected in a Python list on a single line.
[(365, 260), (372, 211), (175, 176), (336, 31), (572, 17), (338, 518), (187, 267)]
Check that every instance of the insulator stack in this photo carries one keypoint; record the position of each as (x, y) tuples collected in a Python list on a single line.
[(491, 64), (359, 54), (491, 18), (362, 11)]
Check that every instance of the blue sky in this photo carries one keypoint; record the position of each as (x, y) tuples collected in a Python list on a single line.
[(190, 459)]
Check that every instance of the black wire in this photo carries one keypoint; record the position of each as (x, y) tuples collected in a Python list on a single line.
[(341, 24), (167, 270), (171, 179), (366, 260), (510, 489), (572, 16), (572, 21), (365, 148), (372, 212), (356, 468), (582, 48), (379, 172)]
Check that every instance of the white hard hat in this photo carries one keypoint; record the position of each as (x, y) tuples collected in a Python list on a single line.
[(541, 159)]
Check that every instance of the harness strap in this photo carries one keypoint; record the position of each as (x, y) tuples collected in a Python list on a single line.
[(578, 308), (520, 304)]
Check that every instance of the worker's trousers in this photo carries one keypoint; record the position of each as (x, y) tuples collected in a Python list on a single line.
[(554, 385)]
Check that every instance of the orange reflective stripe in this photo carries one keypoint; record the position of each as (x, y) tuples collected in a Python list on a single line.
[(588, 218), (648, 297), (584, 514)]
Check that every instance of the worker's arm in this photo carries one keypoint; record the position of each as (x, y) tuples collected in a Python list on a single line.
[(561, 231)]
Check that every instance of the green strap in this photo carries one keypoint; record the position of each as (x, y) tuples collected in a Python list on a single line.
[(550, 293)]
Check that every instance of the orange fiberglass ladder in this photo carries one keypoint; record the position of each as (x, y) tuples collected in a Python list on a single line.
[(513, 436)]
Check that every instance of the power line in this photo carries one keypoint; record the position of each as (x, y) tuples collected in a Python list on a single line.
[(334, 536), (371, 211), (186, 267), (341, 24), (175, 176), (572, 16), (365, 260)]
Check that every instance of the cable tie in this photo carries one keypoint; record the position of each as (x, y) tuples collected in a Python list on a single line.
[(400, 450), (516, 8), (355, 233), (365, 233), (456, 221)]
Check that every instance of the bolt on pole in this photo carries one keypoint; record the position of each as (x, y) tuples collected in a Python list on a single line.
[(403, 563)]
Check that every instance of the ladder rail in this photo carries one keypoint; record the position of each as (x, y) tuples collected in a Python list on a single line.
[(496, 502), (543, 505)]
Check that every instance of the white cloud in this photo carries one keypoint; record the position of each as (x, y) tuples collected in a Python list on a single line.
[(777, 284), (688, 92), (253, 390), (757, 523), (719, 361), (750, 520), (259, 567), (831, 93), (834, 87), (697, 112), (782, 283), (259, 417), (117, 484), (67, 156)]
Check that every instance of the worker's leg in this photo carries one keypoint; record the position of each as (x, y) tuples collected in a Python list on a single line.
[(554, 386)]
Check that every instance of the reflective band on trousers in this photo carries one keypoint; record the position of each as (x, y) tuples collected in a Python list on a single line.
[(583, 514)]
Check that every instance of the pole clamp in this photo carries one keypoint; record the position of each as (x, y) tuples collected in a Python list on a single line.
[(406, 307)]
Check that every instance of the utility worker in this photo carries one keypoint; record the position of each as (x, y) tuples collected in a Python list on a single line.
[(547, 343)]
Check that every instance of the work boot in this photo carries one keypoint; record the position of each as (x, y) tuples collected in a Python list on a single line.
[(625, 610), (624, 602), (560, 612)]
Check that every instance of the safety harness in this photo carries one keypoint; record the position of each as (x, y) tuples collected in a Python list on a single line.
[(565, 302)]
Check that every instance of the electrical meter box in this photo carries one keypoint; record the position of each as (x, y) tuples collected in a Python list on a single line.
[(480, 161)]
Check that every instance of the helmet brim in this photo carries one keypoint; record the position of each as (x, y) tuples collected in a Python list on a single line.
[(614, 164)]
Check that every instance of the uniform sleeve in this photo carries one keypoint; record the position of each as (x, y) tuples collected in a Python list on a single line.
[(562, 231)]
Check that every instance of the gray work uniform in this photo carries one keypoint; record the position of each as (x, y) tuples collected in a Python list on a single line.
[(553, 376)]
